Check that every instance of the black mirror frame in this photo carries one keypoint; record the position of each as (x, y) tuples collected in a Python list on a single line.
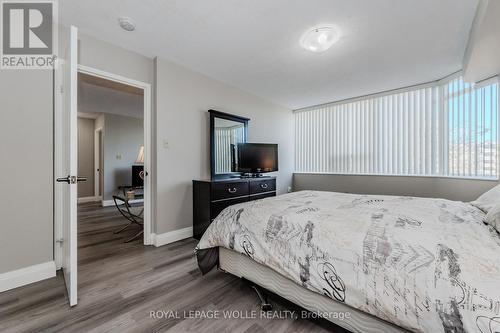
[(217, 114)]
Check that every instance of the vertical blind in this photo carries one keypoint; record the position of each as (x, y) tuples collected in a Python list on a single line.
[(449, 128), (225, 139)]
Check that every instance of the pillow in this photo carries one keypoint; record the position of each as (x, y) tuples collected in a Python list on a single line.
[(493, 217), (488, 200)]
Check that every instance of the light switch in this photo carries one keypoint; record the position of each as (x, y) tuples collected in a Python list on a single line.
[(166, 144), (118, 156)]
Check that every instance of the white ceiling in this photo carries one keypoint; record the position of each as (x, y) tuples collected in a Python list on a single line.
[(94, 99), (254, 44)]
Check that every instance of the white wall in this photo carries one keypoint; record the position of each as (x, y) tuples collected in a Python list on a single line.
[(431, 187), (122, 136), (482, 56), (182, 100), (110, 58), (86, 156), (98, 54), (26, 171), (95, 99)]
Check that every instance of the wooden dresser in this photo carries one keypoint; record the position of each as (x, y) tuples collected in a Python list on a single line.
[(210, 197)]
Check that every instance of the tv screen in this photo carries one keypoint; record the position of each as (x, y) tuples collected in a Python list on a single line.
[(257, 157)]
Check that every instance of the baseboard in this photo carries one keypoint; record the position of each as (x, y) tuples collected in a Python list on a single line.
[(27, 275), (172, 236), (89, 199), (107, 203)]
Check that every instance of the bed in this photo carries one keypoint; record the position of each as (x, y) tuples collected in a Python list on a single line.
[(395, 264)]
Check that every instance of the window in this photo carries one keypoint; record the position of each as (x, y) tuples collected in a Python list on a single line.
[(445, 129), (472, 129)]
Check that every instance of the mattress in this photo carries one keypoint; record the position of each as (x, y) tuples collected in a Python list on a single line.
[(320, 306), (426, 265)]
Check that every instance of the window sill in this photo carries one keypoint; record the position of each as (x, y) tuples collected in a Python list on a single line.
[(496, 179)]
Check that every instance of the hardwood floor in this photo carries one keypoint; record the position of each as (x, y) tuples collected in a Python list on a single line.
[(120, 284)]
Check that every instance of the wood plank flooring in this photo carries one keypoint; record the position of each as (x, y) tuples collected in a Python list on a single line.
[(120, 284)]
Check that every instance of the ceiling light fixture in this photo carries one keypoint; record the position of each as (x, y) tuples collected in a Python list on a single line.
[(126, 23), (319, 39)]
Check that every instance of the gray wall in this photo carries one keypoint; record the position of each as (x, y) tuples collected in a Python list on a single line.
[(26, 171), (86, 156), (26, 199), (182, 100), (432, 187), (110, 58), (113, 59), (122, 136)]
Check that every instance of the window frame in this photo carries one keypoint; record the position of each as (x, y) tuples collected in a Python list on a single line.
[(441, 84)]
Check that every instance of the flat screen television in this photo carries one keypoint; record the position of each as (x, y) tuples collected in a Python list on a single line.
[(257, 158)]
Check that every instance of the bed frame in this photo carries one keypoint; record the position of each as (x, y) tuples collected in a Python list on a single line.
[(243, 267)]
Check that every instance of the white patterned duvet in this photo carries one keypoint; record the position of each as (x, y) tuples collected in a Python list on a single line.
[(427, 265)]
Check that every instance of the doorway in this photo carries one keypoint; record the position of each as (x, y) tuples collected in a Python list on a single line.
[(98, 176), (111, 80)]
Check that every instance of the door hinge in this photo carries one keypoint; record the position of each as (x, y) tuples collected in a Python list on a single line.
[(60, 241)]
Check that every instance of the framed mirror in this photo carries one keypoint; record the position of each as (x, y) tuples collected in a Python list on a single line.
[(226, 131)]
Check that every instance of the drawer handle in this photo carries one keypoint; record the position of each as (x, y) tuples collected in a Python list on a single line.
[(264, 186), (232, 190)]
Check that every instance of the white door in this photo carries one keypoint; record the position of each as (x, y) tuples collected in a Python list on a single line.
[(67, 158)]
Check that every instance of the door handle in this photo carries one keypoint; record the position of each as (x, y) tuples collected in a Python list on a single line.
[(71, 179), (64, 180)]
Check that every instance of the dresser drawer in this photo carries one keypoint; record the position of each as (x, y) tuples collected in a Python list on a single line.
[(219, 206), (226, 190), (260, 186), (262, 196)]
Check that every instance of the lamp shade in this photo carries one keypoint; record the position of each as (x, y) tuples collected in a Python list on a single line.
[(140, 157)]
